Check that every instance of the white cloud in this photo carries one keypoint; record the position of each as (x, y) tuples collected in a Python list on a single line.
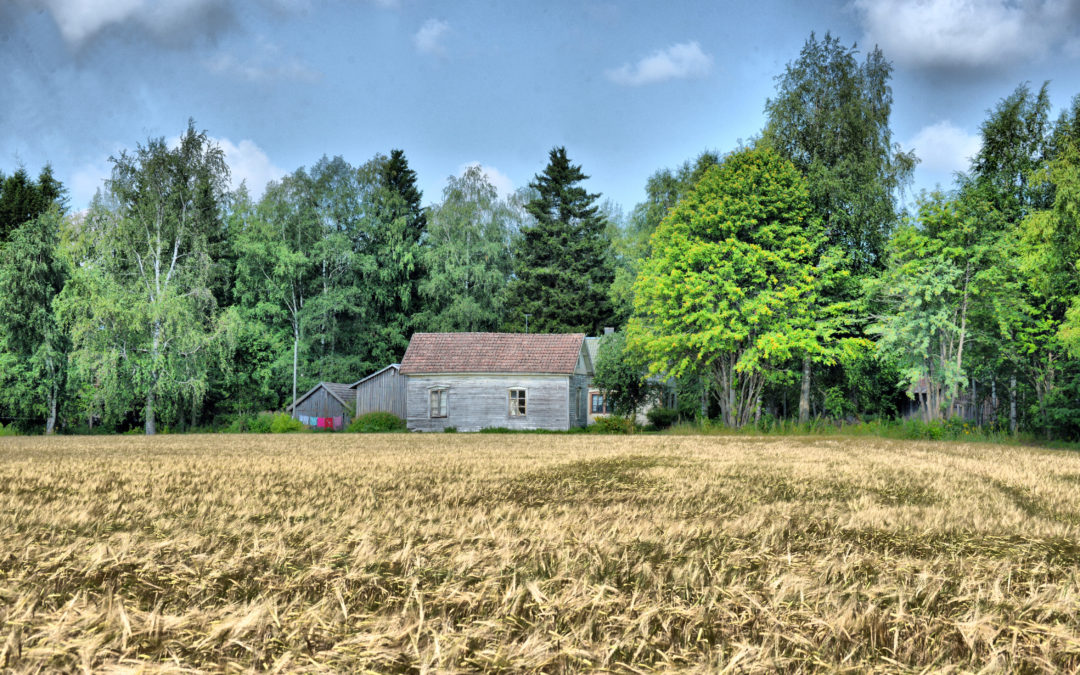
[(263, 69), (500, 181), (247, 162), (945, 148), (968, 33), (679, 61), (80, 20), (428, 39)]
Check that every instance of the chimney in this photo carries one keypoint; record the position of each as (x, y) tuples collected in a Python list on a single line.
[(608, 330)]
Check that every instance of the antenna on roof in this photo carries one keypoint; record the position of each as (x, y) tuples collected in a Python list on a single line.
[(527, 322)]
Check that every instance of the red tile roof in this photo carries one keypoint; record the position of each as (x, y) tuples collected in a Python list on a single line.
[(492, 353)]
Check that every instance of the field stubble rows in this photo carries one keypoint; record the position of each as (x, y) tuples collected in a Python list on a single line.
[(487, 552)]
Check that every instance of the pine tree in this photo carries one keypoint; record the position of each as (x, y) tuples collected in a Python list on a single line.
[(563, 266)]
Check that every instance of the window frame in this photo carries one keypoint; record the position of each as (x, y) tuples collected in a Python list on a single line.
[(521, 410), (444, 402), (592, 404)]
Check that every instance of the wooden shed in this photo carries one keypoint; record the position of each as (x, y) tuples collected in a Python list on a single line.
[(470, 381), (326, 401), (382, 391)]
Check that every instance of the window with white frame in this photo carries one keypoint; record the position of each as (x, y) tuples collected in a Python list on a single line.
[(438, 402), (517, 403)]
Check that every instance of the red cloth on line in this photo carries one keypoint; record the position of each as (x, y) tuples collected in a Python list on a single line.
[(322, 422)]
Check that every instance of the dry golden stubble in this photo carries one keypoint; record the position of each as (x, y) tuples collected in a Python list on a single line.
[(546, 553)]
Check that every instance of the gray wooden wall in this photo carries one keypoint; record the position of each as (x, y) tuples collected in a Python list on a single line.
[(384, 392), (322, 404), (476, 402)]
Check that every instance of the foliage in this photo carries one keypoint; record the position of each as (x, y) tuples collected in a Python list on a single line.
[(141, 309), (613, 424), (466, 257), (8, 430), (376, 422), (733, 287), (663, 191), (563, 266), (23, 199), (830, 117), (933, 277), (33, 345), (620, 375), (282, 423), (661, 417)]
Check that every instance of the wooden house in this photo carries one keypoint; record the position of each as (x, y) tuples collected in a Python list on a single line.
[(383, 390), (473, 381), (327, 405)]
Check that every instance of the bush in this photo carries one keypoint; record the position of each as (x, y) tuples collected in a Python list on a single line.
[(260, 424), (662, 418), (283, 423), (376, 422), (613, 424), (449, 430), (9, 430), (239, 425)]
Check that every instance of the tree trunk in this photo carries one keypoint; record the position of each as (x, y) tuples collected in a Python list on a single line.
[(151, 427), (804, 393), (295, 351), (704, 400), (1012, 404), (50, 421)]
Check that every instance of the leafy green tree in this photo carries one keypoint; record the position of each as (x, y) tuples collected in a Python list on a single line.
[(663, 190), (466, 257), (142, 311), (733, 286), (33, 345), (22, 199), (620, 374), (830, 117), (928, 290), (563, 266), (274, 276)]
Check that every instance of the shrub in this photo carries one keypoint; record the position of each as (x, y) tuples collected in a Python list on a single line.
[(450, 430), (613, 424), (283, 423), (9, 430), (377, 422), (260, 424), (239, 425), (662, 418)]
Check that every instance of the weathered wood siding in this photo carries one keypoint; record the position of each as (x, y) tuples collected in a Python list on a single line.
[(383, 392), (322, 404), (579, 400), (476, 402)]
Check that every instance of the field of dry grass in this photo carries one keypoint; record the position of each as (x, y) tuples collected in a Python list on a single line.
[(554, 553)]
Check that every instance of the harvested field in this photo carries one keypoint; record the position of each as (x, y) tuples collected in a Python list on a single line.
[(528, 552)]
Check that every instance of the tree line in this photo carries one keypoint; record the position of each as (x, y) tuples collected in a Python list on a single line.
[(782, 279)]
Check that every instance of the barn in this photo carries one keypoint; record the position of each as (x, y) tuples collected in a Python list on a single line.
[(472, 381), (383, 391), (328, 405)]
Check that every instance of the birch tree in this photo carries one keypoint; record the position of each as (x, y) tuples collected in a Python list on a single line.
[(148, 243)]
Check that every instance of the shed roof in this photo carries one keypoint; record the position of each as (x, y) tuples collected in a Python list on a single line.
[(395, 366), (341, 392), (492, 353)]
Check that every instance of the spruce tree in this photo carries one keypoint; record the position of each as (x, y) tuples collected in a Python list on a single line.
[(563, 266)]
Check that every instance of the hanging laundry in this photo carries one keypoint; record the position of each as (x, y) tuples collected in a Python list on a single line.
[(339, 422)]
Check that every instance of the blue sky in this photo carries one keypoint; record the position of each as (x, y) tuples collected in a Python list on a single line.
[(627, 87)]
